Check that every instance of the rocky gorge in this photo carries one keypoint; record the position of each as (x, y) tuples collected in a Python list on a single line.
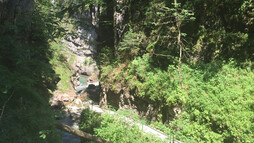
[(80, 50)]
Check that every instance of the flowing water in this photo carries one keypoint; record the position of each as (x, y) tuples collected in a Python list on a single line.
[(83, 80)]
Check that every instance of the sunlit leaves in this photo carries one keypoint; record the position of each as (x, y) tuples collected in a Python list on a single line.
[(43, 133), (217, 98), (129, 46)]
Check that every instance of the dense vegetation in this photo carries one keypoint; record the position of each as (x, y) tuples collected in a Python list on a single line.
[(193, 56), (28, 54), (193, 59), (114, 127)]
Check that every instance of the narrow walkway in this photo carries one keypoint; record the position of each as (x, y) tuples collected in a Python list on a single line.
[(143, 127)]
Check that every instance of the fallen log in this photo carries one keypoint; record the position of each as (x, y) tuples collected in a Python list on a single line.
[(79, 133)]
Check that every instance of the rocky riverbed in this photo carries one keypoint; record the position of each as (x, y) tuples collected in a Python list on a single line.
[(72, 105)]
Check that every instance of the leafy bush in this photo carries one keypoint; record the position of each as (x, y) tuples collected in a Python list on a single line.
[(118, 129), (27, 75), (60, 65), (219, 106), (114, 128), (89, 120), (25, 117), (106, 56), (129, 46), (216, 100)]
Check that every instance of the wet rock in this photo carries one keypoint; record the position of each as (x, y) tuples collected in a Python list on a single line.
[(78, 101), (93, 83)]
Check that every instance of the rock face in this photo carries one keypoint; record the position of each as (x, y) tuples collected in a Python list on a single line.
[(125, 99), (80, 43), (121, 18), (82, 47), (84, 65), (122, 98)]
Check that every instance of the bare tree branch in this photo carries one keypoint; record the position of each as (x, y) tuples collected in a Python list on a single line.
[(163, 55)]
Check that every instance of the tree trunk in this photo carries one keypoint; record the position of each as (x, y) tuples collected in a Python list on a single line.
[(120, 22), (178, 25), (103, 98), (80, 133)]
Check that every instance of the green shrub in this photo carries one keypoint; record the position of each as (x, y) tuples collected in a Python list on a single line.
[(219, 104), (118, 129), (27, 75), (216, 99), (60, 65), (114, 128), (89, 120), (25, 117)]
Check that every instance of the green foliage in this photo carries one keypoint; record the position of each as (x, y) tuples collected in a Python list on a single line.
[(228, 29), (106, 56), (60, 65), (116, 128), (44, 133), (27, 75), (129, 113), (59, 114), (247, 11), (172, 133), (217, 29), (49, 28), (89, 120), (218, 106), (217, 98), (129, 46), (164, 31), (27, 118), (75, 6)]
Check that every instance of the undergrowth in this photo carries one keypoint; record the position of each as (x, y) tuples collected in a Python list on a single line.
[(216, 100), (61, 66), (115, 128)]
